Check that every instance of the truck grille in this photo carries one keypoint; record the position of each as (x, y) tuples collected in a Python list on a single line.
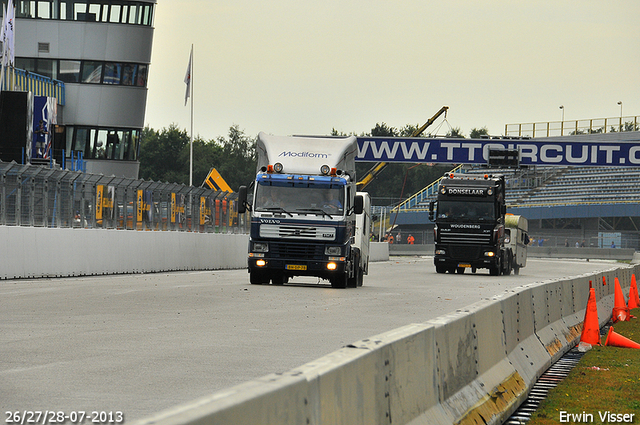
[(465, 238), (296, 251), (284, 231), (465, 252)]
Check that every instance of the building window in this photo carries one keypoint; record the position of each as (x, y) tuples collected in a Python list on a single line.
[(129, 73), (69, 71), (103, 143), (112, 73), (111, 11), (91, 72), (141, 76)]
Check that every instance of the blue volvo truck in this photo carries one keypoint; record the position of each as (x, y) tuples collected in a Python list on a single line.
[(307, 218)]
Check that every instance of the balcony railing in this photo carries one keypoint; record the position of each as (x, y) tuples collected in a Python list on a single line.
[(39, 85)]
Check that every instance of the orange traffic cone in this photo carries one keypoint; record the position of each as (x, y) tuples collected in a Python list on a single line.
[(634, 300), (617, 340), (620, 310), (590, 326)]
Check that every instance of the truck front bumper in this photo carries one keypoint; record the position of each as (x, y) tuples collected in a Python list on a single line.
[(453, 257), (324, 269)]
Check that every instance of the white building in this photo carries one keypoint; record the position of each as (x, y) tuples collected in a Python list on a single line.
[(101, 50)]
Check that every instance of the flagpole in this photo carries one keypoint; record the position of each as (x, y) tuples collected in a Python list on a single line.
[(191, 143)]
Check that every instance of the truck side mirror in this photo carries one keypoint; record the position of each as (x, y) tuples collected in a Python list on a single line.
[(358, 204), (242, 199), (431, 209)]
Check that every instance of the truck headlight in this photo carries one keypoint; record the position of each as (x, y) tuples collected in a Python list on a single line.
[(440, 252), (333, 250), (489, 254), (260, 247)]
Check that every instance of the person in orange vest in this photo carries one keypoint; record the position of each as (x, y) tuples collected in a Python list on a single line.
[(410, 239), (390, 240)]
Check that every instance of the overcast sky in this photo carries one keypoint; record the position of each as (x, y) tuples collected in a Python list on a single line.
[(299, 67)]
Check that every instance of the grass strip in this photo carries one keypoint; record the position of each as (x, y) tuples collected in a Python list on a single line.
[(604, 387)]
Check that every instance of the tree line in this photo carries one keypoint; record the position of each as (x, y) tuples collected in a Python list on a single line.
[(164, 157)]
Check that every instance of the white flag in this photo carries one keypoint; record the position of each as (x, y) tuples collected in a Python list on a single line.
[(187, 78), (3, 38), (7, 34)]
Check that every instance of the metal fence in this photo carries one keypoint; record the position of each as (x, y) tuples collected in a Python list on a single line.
[(45, 197), (567, 128)]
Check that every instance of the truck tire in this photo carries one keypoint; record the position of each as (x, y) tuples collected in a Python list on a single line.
[(509, 263), (352, 282), (340, 281), (279, 279), (440, 269), (460, 270), (258, 278)]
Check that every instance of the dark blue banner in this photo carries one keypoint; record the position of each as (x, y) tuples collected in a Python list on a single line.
[(476, 151)]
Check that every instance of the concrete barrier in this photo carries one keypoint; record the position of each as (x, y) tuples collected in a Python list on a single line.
[(29, 252), (625, 254), (469, 367)]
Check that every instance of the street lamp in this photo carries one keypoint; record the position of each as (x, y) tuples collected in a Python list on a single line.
[(620, 103)]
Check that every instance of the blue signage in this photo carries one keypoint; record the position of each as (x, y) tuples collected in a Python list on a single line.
[(476, 151)]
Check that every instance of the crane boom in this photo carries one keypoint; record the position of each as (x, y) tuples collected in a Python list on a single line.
[(379, 166)]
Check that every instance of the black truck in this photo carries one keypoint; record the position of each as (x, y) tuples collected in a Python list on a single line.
[(469, 230)]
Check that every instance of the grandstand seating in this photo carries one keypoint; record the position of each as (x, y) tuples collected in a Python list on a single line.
[(563, 186)]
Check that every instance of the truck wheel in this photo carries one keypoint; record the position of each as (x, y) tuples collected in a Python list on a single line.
[(352, 282), (508, 263), (258, 278), (339, 281), (279, 279), (360, 277), (440, 270), (494, 270), (460, 270)]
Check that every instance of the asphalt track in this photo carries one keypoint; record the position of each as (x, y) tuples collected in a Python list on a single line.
[(142, 343)]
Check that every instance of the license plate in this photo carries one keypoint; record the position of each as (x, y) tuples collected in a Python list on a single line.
[(464, 265), (296, 267)]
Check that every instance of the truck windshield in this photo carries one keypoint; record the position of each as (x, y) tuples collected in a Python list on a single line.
[(308, 199), (465, 211)]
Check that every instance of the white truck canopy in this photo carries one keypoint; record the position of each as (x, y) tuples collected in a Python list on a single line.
[(306, 155)]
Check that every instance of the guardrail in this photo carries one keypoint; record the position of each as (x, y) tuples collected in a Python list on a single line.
[(47, 197), (469, 367), (566, 128)]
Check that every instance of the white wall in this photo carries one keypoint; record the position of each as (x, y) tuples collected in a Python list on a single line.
[(40, 252), (27, 252)]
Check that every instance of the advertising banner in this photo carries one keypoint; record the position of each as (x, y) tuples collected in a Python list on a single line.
[(45, 111), (607, 150), (99, 197), (205, 210)]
